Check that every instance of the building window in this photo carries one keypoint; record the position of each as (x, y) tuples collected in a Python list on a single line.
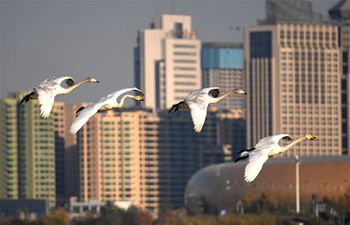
[(178, 27)]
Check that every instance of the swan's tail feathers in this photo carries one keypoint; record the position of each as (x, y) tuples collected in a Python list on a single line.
[(245, 150), (176, 107), (27, 97), (243, 154)]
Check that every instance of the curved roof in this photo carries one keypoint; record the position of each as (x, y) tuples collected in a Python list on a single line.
[(223, 184)]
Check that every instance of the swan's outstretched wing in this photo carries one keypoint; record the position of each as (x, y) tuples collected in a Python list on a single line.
[(270, 140), (193, 93), (257, 158), (198, 106), (46, 97), (85, 114), (55, 81), (198, 115), (117, 94), (58, 80)]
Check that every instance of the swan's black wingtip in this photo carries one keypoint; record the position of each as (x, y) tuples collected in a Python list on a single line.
[(241, 158), (26, 98), (173, 108)]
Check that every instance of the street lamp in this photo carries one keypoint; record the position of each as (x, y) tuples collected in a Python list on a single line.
[(297, 186)]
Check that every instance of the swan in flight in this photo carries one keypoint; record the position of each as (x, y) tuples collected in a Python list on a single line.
[(265, 148), (198, 101), (46, 91), (106, 103)]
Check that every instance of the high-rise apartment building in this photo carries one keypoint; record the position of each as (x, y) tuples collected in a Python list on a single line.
[(167, 61), (147, 158), (293, 81), (9, 177), (118, 158), (340, 14), (222, 66), (28, 153)]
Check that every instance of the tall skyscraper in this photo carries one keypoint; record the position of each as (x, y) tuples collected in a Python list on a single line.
[(340, 14), (29, 151), (222, 66), (293, 81), (167, 61)]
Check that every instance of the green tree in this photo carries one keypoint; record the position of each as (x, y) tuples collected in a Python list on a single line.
[(58, 217), (112, 215), (266, 202)]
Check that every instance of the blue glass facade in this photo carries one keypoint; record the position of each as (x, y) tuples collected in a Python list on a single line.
[(222, 58), (261, 44)]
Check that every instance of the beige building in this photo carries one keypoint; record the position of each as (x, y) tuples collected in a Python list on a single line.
[(167, 61), (138, 156), (118, 158), (293, 81)]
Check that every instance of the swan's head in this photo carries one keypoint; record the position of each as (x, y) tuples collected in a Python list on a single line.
[(311, 137), (239, 91), (139, 98), (92, 80)]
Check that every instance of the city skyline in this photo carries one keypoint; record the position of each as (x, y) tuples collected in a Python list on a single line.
[(44, 39), (292, 65)]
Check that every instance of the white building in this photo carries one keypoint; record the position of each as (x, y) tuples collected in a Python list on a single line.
[(167, 61)]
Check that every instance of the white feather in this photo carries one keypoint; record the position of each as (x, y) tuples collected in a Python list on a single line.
[(46, 100), (257, 158), (47, 91), (198, 102), (260, 155), (198, 115), (85, 114)]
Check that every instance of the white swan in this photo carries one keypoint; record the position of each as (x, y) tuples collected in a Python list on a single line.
[(106, 103), (49, 88), (198, 101), (265, 148)]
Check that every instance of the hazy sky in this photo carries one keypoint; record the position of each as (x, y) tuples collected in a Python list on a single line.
[(40, 39)]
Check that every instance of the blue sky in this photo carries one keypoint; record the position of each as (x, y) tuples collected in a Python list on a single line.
[(40, 39)]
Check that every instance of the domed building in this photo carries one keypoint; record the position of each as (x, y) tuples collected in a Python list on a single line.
[(221, 187)]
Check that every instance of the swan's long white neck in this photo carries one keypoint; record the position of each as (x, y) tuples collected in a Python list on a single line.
[(221, 97), (121, 103), (71, 88), (285, 148)]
